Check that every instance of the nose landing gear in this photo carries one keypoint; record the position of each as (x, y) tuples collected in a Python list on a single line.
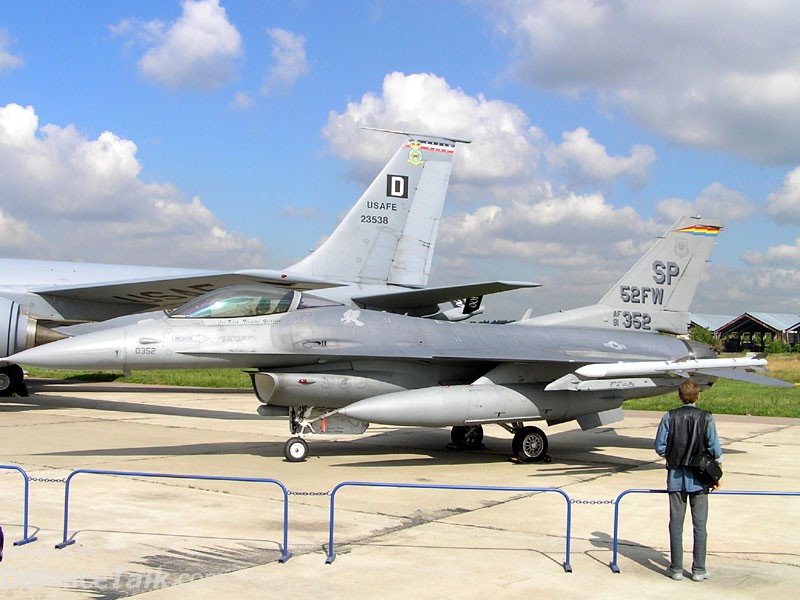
[(295, 449)]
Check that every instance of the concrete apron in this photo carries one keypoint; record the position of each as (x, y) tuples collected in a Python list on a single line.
[(166, 538)]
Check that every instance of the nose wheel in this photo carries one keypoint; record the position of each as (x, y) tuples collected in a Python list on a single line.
[(295, 449)]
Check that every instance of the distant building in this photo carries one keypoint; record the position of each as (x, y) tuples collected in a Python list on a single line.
[(751, 330)]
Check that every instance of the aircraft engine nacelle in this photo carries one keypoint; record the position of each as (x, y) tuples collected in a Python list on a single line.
[(486, 403), (314, 389), (19, 331)]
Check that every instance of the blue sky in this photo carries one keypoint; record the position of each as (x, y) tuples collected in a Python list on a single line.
[(218, 134)]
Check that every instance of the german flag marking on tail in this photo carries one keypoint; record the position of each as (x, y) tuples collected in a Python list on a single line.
[(706, 230)]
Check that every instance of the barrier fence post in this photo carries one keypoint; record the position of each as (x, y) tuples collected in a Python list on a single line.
[(285, 555), (332, 555), (26, 538), (615, 567)]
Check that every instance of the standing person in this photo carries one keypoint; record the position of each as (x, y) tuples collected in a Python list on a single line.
[(684, 432)]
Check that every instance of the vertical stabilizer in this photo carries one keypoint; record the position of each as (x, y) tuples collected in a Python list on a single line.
[(656, 294), (388, 237)]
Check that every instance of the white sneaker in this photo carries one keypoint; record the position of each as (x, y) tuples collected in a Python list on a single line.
[(701, 576), (675, 575)]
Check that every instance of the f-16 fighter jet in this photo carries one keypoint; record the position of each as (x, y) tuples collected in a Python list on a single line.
[(333, 368)]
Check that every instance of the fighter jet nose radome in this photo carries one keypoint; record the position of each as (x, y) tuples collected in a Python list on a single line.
[(99, 350)]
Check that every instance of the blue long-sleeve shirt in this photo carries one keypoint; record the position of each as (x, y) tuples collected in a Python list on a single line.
[(682, 479)]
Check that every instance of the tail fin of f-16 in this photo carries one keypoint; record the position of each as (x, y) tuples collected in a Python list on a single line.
[(656, 294), (388, 237)]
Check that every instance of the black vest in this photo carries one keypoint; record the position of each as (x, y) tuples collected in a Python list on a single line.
[(687, 434)]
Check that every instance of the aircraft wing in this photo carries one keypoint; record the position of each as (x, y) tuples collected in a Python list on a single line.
[(644, 374), (90, 301), (419, 298)]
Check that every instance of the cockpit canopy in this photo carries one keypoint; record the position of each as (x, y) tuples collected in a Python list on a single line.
[(247, 301)]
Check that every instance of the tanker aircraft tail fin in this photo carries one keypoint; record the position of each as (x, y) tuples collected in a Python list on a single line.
[(389, 235)]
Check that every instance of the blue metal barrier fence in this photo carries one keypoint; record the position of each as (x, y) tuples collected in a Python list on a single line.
[(284, 551), (332, 554), (26, 539), (615, 567)]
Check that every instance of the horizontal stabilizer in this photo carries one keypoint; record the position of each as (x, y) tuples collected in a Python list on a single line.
[(413, 298), (417, 135), (747, 377), (599, 419)]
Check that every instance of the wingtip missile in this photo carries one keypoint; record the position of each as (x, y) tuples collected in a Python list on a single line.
[(634, 369)]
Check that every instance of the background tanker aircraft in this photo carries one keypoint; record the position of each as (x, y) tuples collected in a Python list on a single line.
[(378, 257), (334, 369)]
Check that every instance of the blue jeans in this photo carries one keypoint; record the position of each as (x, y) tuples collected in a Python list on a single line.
[(698, 501)]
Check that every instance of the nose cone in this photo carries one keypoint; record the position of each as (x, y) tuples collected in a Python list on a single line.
[(97, 351)]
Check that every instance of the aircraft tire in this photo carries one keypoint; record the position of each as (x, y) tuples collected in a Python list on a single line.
[(529, 445), (467, 437), (295, 449), (11, 381)]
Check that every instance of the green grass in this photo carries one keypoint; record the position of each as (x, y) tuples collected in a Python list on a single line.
[(736, 398), (728, 397), (724, 397), (207, 378)]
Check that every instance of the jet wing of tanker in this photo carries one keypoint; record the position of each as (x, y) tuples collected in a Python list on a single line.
[(160, 290), (333, 368), (383, 246), (117, 298)]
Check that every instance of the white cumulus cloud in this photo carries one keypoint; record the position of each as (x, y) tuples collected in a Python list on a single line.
[(721, 74), (242, 101), (85, 196), (587, 162), (784, 205), (8, 61), (715, 201), (16, 238), (291, 63), (785, 254), (504, 147), (200, 50)]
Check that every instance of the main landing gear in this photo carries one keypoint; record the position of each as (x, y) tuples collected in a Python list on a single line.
[(529, 444), (12, 381), (467, 437)]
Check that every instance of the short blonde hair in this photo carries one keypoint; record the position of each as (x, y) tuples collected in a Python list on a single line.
[(689, 392)]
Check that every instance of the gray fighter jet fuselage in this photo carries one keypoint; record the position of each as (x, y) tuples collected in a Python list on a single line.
[(333, 368)]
